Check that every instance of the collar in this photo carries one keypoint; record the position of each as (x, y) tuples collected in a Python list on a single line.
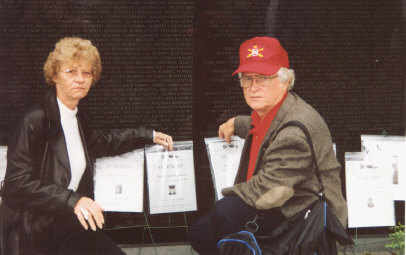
[(51, 107), (65, 112)]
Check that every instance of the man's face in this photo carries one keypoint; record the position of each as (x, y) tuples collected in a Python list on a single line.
[(262, 97)]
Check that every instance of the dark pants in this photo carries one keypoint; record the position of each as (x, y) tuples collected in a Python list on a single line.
[(229, 215), (70, 238)]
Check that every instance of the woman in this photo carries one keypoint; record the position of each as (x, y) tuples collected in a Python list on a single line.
[(47, 196)]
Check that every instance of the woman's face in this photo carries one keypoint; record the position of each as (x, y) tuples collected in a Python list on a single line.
[(73, 82)]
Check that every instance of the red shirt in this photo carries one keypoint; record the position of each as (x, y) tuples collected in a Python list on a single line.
[(258, 133)]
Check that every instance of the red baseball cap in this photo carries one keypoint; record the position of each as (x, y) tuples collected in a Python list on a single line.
[(263, 55)]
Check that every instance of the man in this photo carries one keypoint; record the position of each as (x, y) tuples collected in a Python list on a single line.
[(276, 173)]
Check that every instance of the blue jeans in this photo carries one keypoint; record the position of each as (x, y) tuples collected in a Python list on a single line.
[(229, 215)]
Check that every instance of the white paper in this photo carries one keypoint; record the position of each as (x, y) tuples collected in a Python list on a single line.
[(369, 193), (119, 182), (378, 148), (3, 163), (171, 178), (224, 161)]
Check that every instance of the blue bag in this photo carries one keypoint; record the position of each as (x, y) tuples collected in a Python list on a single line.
[(240, 243)]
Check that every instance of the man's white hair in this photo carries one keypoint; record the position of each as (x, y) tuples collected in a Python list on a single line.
[(287, 75)]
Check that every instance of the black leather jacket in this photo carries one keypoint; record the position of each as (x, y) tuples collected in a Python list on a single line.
[(38, 173)]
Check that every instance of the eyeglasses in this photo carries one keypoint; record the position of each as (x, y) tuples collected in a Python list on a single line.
[(262, 80), (72, 73)]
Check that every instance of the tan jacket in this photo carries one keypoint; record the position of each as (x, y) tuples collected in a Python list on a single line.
[(284, 174)]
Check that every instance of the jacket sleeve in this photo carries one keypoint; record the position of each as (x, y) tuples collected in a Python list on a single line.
[(102, 143), (22, 187), (287, 162), (242, 125)]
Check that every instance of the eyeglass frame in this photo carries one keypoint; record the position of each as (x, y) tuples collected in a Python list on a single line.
[(72, 73), (255, 77)]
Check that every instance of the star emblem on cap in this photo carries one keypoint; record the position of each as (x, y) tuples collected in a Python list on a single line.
[(254, 52)]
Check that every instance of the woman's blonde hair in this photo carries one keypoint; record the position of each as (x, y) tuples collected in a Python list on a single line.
[(71, 49)]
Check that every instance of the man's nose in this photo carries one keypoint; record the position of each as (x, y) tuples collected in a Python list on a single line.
[(254, 84)]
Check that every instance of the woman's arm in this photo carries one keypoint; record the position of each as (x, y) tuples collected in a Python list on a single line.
[(22, 187)]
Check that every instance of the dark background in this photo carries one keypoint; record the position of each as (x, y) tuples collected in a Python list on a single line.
[(167, 64)]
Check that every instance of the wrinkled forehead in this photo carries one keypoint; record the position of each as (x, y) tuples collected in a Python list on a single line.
[(250, 74), (77, 63)]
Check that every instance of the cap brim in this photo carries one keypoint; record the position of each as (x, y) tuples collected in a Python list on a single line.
[(260, 68)]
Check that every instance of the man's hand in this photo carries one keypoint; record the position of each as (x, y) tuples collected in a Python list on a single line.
[(164, 140), (226, 130), (89, 212)]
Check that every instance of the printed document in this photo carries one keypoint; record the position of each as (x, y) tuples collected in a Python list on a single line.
[(119, 182), (392, 149), (224, 161), (369, 193), (171, 178)]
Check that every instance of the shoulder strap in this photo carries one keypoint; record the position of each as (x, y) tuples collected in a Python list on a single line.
[(252, 226), (309, 140)]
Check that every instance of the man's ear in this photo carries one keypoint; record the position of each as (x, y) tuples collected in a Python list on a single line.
[(285, 84)]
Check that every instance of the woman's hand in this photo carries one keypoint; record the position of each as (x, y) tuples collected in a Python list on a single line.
[(164, 140), (89, 212), (226, 130)]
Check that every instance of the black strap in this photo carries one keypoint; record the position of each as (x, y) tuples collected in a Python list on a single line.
[(309, 140), (252, 226)]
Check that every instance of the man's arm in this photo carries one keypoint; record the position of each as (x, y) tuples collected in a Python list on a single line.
[(239, 125), (286, 162)]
